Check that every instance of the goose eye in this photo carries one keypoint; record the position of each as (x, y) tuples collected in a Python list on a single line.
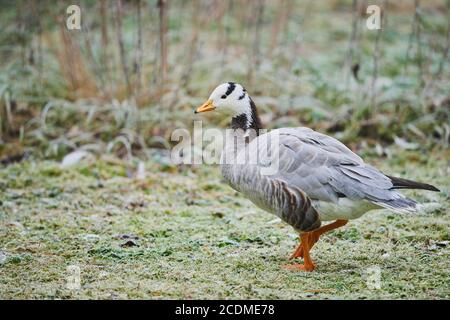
[(224, 97)]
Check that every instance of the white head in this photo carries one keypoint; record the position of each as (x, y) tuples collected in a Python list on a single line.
[(232, 99)]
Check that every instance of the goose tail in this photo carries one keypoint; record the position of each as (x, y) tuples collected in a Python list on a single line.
[(401, 205), (400, 183)]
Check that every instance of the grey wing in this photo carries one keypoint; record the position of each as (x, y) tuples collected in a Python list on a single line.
[(325, 169)]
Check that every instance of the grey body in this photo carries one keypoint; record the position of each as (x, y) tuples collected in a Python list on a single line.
[(318, 178), (314, 178)]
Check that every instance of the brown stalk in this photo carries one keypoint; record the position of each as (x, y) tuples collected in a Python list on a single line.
[(197, 21), (255, 55), (416, 34), (91, 59), (72, 64), (162, 6), (139, 49), (349, 58), (105, 42), (193, 47), (280, 24), (376, 58), (40, 58), (224, 33), (444, 54), (123, 57)]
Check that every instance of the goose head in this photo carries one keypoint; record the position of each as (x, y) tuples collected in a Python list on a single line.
[(233, 100)]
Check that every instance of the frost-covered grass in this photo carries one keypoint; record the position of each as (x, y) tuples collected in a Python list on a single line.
[(182, 233)]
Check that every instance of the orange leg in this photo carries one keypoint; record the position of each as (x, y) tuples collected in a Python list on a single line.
[(308, 264), (314, 236), (307, 241)]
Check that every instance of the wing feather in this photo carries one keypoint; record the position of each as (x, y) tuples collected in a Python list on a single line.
[(324, 168)]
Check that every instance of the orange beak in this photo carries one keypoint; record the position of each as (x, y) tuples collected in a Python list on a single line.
[(207, 106)]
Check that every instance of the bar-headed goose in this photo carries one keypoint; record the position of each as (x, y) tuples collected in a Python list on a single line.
[(317, 178)]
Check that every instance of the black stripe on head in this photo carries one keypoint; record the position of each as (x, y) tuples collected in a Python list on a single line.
[(231, 87), (242, 96)]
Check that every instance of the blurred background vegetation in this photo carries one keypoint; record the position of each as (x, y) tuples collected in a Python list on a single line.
[(136, 70)]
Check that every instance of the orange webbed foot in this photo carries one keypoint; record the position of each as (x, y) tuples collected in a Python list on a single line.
[(307, 241), (299, 266)]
